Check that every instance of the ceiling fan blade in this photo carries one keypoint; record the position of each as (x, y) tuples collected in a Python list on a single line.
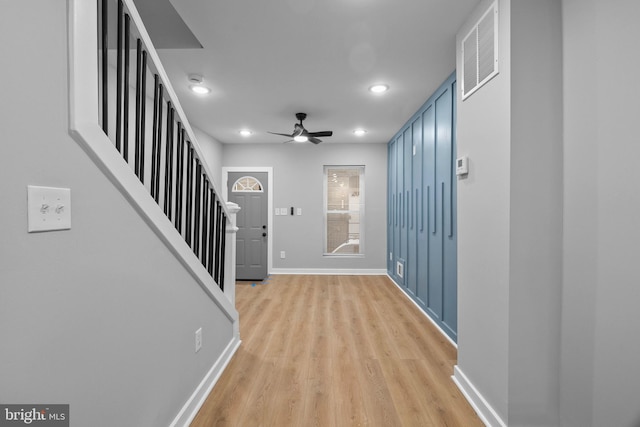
[(323, 133), (314, 140), (281, 134)]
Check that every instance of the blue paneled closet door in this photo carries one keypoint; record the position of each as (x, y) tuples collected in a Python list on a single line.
[(421, 161), (391, 212)]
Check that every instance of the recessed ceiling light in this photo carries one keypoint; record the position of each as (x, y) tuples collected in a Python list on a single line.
[(200, 90), (359, 132), (379, 88), (245, 132), (196, 86)]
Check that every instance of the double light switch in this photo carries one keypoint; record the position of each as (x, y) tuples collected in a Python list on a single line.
[(48, 208)]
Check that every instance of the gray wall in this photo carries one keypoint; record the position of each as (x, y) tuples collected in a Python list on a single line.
[(483, 134), (548, 316), (298, 182), (580, 255), (101, 316), (212, 150), (601, 379), (535, 247), (510, 219)]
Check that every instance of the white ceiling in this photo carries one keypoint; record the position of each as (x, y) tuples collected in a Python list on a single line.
[(266, 60)]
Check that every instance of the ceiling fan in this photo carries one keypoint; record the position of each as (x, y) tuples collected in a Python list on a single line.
[(300, 134)]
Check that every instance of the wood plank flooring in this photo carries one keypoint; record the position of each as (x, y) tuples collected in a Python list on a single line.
[(335, 351)]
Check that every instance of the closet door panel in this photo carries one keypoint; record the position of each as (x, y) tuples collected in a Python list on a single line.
[(414, 132), (398, 227), (391, 213), (450, 279), (426, 202), (444, 162)]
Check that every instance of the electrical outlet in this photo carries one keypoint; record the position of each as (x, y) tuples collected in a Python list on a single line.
[(198, 339), (283, 255)]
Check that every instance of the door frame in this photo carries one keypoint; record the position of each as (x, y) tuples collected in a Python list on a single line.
[(250, 169)]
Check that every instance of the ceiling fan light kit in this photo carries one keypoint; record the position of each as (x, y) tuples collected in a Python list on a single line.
[(300, 134)]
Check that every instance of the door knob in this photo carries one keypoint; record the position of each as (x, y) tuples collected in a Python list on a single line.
[(264, 234), (264, 227)]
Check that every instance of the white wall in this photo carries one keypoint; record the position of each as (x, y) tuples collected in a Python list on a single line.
[(298, 181), (101, 316)]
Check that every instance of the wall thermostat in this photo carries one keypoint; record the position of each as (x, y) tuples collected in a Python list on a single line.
[(462, 166)]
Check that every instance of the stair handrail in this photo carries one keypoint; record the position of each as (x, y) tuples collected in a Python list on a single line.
[(86, 128)]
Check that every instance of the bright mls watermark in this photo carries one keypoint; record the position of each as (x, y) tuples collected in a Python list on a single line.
[(34, 415)]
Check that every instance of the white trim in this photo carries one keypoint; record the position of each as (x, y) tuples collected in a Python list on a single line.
[(486, 413), (86, 131), (422, 311), (194, 403), (331, 271), (270, 194)]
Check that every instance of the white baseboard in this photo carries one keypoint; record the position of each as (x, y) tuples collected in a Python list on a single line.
[(486, 413), (331, 271), (453, 343), (195, 402)]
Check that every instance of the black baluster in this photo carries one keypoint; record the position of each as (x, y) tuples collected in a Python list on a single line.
[(154, 138), (143, 111), (212, 229), (216, 267), (125, 112), (171, 149), (119, 79), (224, 242), (205, 221), (182, 180), (105, 67), (159, 137), (189, 195), (139, 90), (178, 190), (167, 163), (196, 213)]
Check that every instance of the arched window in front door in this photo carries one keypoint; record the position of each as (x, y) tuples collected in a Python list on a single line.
[(247, 184)]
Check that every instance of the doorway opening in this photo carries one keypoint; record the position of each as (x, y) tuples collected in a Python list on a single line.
[(253, 187)]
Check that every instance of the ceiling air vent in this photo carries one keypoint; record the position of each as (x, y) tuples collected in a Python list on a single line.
[(480, 52)]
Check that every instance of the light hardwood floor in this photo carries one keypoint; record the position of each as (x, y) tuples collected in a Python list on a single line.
[(335, 351)]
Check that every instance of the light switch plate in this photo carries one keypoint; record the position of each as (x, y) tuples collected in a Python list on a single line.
[(48, 208)]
